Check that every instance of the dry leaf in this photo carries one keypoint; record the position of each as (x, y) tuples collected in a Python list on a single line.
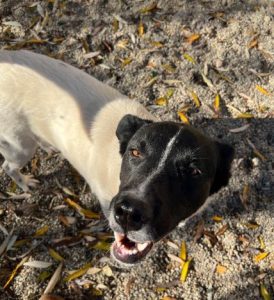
[(257, 258), (183, 252), (55, 255), (15, 271), (256, 151), (262, 90), (115, 25), (126, 61), (38, 264), (43, 276), (222, 230), (185, 270), (199, 231), (216, 104), (245, 116), (54, 279), (148, 9), (183, 117), (264, 292), (253, 43), (107, 271), (151, 81), (101, 245), (251, 225), (84, 212), (41, 231), (78, 273), (195, 98), (239, 129), (189, 58), (175, 258), (162, 101), (221, 269), (261, 241), (141, 29), (245, 195), (212, 237), (156, 44), (67, 220), (217, 218), (122, 44), (169, 68), (193, 38)]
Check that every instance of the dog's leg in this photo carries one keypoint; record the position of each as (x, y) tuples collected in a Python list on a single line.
[(16, 155)]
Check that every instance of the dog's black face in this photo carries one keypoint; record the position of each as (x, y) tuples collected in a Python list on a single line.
[(168, 171)]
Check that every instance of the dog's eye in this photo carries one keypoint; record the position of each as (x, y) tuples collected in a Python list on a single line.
[(195, 171), (135, 153)]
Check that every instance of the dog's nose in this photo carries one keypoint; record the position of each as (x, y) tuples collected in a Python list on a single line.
[(129, 214)]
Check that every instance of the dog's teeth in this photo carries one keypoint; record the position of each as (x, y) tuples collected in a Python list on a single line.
[(142, 247)]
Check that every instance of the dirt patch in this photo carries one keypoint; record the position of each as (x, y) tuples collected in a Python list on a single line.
[(175, 51)]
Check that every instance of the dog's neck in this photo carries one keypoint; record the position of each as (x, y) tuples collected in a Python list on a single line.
[(102, 172)]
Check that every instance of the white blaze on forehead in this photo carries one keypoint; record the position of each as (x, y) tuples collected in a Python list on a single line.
[(162, 160)]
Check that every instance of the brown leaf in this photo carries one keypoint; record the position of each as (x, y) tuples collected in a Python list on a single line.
[(199, 231), (212, 237), (222, 230), (193, 38)]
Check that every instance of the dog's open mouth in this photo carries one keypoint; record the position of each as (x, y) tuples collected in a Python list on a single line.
[(127, 251)]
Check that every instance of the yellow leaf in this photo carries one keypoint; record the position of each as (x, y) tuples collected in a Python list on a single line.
[(41, 231), (126, 61), (149, 8), (183, 253), (141, 29), (185, 270), (264, 292), (55, 255), (251, 225), (101, 245), (195, 98), (15, 271), (257, 258), (78, 273), (162, 101), (43, 276), (262, 90), (157, 44), (160, 289), (169, 93), (189, 58), (253, 43), (115, 25), (221, 269), (84, 212), (245, 116), (183, 117), (20, 243), (169, 68), (216, 104), (217, 218), (261, 241), (193, 38)]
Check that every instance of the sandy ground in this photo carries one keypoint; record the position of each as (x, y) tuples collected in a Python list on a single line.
[(173, 50)]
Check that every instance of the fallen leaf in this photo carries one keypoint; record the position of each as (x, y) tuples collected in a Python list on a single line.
[(101, 245), (126, 61), (222, 230), (84, 212), (257, 258), (55, 255), (189, 58), (212, 237), (78, 273), (216, 104), (240, 129), (221, 269), (262, 90), (261, 241), (251, 225), (199, 231), (162, 101), (107, 271), (115, 25), (169, 68), (217, 218), (141, 29), (193, 38), (183, 117), (43, 276), (41, 231), (185, 270), (156, 44), (195, 98), (183, 252), (264, 292), (245, 116), (15, 271), (148, 9), (38, 264), (245, 195), (122, 44), (54, 279)]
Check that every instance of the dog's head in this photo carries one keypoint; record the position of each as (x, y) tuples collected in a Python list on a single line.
[(168, 170)]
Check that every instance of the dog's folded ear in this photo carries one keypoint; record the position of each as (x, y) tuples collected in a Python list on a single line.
[(127, 127), (225, 154)]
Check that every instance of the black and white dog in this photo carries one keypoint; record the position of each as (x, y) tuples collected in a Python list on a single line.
[(148, 175)]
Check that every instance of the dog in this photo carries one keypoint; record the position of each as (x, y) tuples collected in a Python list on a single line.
[(148, 175)]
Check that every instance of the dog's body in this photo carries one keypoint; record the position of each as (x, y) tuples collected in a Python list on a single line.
[(147, 175)]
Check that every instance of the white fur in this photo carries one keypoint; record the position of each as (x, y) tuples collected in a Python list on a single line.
[(48, 101)]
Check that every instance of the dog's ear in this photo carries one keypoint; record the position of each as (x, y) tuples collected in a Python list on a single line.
[(225, 154), (128, 125)]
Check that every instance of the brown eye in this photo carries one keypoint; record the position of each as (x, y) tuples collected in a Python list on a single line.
[(135, 153)]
